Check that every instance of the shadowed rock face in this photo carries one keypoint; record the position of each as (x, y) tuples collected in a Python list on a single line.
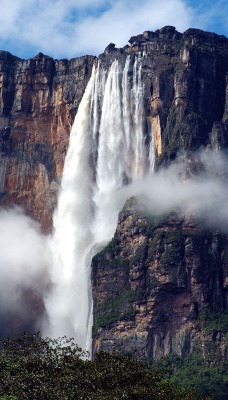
[(38, 101), (154, 284), (185, 85), (154, 280)]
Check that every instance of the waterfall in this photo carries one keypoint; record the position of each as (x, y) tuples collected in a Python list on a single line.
[(107, 150)]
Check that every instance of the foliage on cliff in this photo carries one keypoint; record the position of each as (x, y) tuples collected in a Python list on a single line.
[(35, 368), (196, 372)]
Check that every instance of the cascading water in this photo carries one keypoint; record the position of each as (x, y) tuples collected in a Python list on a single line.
[(107, 150)]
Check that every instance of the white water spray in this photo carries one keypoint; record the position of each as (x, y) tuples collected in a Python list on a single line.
[(107, 149)]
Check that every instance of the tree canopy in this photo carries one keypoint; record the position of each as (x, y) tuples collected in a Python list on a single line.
[(35, 368)]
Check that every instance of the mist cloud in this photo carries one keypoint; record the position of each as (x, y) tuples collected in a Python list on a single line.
[(196, 185), (24, 257)]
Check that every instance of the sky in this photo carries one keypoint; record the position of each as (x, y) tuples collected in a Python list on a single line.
[(71, 28)]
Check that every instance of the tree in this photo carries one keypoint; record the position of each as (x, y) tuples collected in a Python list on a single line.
[(35, 368)]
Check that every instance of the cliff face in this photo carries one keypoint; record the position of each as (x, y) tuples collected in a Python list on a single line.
[(185, 78), (156, 280), (186, 99), (38, 101), (154, 284)]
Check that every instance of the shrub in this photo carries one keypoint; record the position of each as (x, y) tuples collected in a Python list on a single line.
[(35, 368)]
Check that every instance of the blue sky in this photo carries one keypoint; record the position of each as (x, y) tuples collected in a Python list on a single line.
[(69, 28)]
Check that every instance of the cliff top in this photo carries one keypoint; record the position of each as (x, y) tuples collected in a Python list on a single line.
[(168, 38), (165, 36), (170, 32)]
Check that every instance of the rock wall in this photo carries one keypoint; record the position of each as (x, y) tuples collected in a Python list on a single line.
[(186, 99), (155, 282), (38, 101), (39, 98), (156, 278)]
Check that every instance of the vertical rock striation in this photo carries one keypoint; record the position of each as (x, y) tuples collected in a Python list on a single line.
[(157, 281), (38, 101), (185, 77), (39, 98), (154, 281)]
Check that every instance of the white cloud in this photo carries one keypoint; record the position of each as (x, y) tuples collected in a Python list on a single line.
[(126, 19), (177, 189), (25, 253), (68, 28), (24, 257)]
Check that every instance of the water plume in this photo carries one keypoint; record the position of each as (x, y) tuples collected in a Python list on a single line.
[(107, 150)]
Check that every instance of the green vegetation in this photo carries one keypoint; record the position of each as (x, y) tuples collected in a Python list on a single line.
[(110, 248), (174, 248), (214, 321), (116, 308), (169, 244), (32, 368), (8, 398), (194, 372), (156, 221), (140, 254), (184, 130), (156, 244)]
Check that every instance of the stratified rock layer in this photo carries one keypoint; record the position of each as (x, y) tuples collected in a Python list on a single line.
[(155, 279), (185, 100), (38, 101), (153, 284)]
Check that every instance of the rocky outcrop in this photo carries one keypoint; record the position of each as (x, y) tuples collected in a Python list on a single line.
[(157, 279), (185, 100), (38, 102), (185, 79), (39, 98), (155, 283), (187, 94)]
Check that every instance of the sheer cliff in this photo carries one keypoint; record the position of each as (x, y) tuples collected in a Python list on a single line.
[(185, 100), (38, 101), (154, 284)]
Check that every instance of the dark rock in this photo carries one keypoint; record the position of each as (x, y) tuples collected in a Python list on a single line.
[(154, 280), (110, 48), (166, 272), (39, 98)]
